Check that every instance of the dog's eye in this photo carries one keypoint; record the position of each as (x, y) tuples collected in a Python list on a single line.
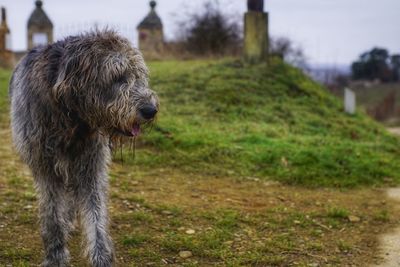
[(122, 80)]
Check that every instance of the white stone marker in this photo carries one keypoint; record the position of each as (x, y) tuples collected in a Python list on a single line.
[(349, 101)]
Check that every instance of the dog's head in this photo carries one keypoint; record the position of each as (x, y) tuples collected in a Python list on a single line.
[(105, 81)]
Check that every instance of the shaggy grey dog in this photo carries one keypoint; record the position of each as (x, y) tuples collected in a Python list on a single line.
[(67, 100)]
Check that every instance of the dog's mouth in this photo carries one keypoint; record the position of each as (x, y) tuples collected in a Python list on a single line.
[(135, 129), (134, 132)]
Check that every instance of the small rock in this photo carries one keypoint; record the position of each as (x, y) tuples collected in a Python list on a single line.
[(296, 222), (185, 254), (353, 218), (284, 162), (28, 207), (181, 229), (270, 183), (190, 231), (388, 179), (281, 198), (169, 261), (166, 212)]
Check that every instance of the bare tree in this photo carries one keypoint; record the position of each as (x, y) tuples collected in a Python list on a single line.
[(210, 31), (285, 48)]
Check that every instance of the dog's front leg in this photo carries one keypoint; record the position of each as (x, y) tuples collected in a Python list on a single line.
[(94, 217), (54, 226)]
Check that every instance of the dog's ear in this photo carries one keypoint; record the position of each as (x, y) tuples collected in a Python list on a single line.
[(64, 82)]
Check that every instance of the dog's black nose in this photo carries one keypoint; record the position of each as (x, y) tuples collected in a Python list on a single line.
[(148, 112)]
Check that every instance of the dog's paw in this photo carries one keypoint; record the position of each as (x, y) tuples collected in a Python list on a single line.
[(102, 255), (102, 259), (57, 259)]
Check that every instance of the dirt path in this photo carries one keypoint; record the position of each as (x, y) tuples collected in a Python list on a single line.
[(390, 242), (394, 130)]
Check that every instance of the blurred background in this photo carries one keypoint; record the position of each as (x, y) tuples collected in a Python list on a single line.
[(330, 32), (331, 41)]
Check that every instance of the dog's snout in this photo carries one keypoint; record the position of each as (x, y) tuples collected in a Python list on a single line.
[(148, 112)]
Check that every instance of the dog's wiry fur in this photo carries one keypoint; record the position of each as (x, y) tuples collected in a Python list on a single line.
[(67, 99)]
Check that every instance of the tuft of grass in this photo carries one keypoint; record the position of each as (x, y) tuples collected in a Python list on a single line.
[(142, 217), (135, 240), (338, 213), (344, 246), (382, 216)]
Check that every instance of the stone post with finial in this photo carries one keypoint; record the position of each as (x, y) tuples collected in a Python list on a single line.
[(6, 55), (4, 31), (40, 27), (151, 36), (256, 40)]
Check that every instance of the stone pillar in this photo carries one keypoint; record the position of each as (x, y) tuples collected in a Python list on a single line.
[(151, 35), (40, 27), (6, 55), (256, 32), (349, 101), (4, 31)]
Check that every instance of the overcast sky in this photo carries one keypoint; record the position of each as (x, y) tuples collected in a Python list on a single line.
[(330, 31)]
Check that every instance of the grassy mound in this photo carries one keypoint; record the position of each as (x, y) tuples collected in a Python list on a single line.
[(226, 118), (266, 122)]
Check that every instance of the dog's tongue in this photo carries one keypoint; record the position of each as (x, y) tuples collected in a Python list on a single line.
[(135, 130)]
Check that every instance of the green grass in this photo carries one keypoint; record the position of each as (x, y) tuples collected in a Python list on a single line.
[(271, 122), (226, 118), (338, 213), (4, 107)]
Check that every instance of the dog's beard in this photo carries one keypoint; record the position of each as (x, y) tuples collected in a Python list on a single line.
[(120, 141)]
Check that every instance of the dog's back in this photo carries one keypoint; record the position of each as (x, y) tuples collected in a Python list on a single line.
[(30, 92)]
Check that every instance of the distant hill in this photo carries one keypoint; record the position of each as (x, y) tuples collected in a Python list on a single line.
[(379, 100), (325, 72)]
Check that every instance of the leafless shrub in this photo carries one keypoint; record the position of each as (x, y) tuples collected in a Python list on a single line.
[(209, 32), (287, 50), (385, 108)]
